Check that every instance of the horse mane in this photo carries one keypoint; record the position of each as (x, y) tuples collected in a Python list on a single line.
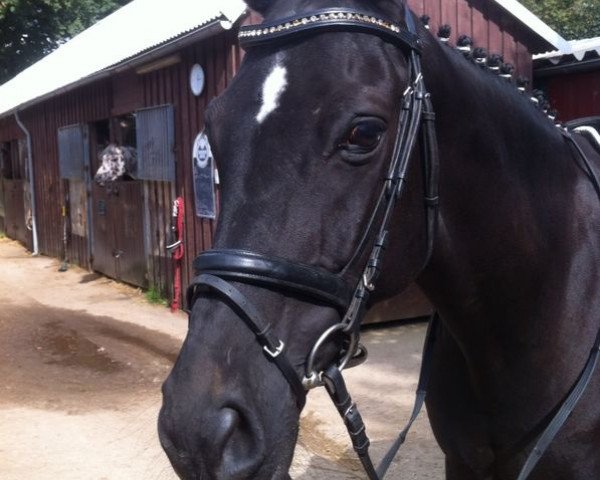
[(492, 68)]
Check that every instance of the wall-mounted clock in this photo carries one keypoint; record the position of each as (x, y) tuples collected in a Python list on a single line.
[(197, 80)]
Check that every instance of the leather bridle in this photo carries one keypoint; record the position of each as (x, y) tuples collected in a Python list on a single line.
[(217, 268)]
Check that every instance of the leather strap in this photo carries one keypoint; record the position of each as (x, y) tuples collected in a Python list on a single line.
[(420, 395), (431, 169), (569, 404), (270, 271), (273, 347), (336, 388), (327, 20), (348, 410), (563, 413)]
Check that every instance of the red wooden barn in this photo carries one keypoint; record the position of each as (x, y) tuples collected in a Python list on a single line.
[(571, 78), (142, 77)]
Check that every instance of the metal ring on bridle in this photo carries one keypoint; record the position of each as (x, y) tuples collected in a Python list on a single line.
[(312, 377)]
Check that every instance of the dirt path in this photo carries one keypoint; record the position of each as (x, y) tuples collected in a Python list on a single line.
[(82, 359)]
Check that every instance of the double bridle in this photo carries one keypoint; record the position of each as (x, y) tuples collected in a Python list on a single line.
[(217, 268)]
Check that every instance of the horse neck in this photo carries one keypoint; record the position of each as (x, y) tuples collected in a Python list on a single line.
[(506, 183)]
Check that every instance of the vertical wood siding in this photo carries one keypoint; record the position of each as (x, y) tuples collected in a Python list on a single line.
[(220, 58), (486, 24), (84, 105), (575, 95), (43, 121)]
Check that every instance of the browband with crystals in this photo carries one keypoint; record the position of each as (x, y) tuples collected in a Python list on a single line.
[(328, 20)]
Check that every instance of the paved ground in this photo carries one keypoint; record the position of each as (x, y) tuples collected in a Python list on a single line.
[(82, 359)]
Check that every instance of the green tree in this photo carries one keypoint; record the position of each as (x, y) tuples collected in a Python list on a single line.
[(573, 19), (30, 29)]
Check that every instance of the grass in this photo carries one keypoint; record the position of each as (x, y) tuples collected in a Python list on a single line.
[(154, 297)]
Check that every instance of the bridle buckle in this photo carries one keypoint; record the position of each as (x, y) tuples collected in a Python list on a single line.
[(277, 351), (367, 282), (311, 381)]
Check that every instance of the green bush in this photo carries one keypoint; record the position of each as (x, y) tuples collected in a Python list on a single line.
[(573, 19)]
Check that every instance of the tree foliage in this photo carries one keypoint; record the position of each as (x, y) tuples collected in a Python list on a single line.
[(30, 29), (573, 19)]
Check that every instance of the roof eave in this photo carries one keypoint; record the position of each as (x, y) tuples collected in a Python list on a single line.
[(209, 29), (551, 39), (582, 66)]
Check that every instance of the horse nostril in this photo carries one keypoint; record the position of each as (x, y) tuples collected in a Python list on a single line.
[(238, 443), (228, 420)]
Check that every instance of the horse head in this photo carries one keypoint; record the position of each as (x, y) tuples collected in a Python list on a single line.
[(116, 162), (304, 137)]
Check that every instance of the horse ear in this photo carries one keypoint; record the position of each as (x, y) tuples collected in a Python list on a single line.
[(260, 6), (390, 8)]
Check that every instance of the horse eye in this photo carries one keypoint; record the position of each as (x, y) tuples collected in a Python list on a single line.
[(363, 137)]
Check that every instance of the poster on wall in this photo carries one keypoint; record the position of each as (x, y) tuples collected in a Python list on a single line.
[(204, 177)]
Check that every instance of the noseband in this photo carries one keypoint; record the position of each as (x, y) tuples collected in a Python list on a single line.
[(217, 268)]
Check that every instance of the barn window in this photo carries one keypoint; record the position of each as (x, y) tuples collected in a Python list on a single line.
[(6, 160), (156, 144), (99, 140), (72, 151), (125, 130), (13, 159)]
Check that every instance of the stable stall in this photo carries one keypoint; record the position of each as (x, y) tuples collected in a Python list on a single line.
[(148, 95)]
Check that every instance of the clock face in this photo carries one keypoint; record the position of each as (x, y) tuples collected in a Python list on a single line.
[(197, 80)]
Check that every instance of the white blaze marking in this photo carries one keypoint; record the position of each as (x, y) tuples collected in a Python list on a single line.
[(273, 87)]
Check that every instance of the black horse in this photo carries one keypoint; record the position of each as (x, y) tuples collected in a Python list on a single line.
[(303, 137)]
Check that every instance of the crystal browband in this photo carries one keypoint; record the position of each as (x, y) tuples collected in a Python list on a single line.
[(327, 20)]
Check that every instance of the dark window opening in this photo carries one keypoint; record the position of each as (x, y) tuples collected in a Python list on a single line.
[(125, 130), (99, 140), (13, 159)]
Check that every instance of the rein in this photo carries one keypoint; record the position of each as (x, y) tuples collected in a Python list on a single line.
[(216, 269)]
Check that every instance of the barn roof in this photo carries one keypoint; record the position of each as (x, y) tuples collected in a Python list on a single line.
[(580, 56), (577, 48), (143, 26), (134, 29)]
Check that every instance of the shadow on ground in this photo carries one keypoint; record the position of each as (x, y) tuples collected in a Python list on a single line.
[(69, 360)]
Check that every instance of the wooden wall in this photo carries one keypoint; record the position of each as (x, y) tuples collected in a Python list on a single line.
[(125, 93), (488, 25), (220, 57), (43, 121), (574, 95)]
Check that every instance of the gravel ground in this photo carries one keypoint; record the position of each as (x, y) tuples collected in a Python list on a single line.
[(82, 359)]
